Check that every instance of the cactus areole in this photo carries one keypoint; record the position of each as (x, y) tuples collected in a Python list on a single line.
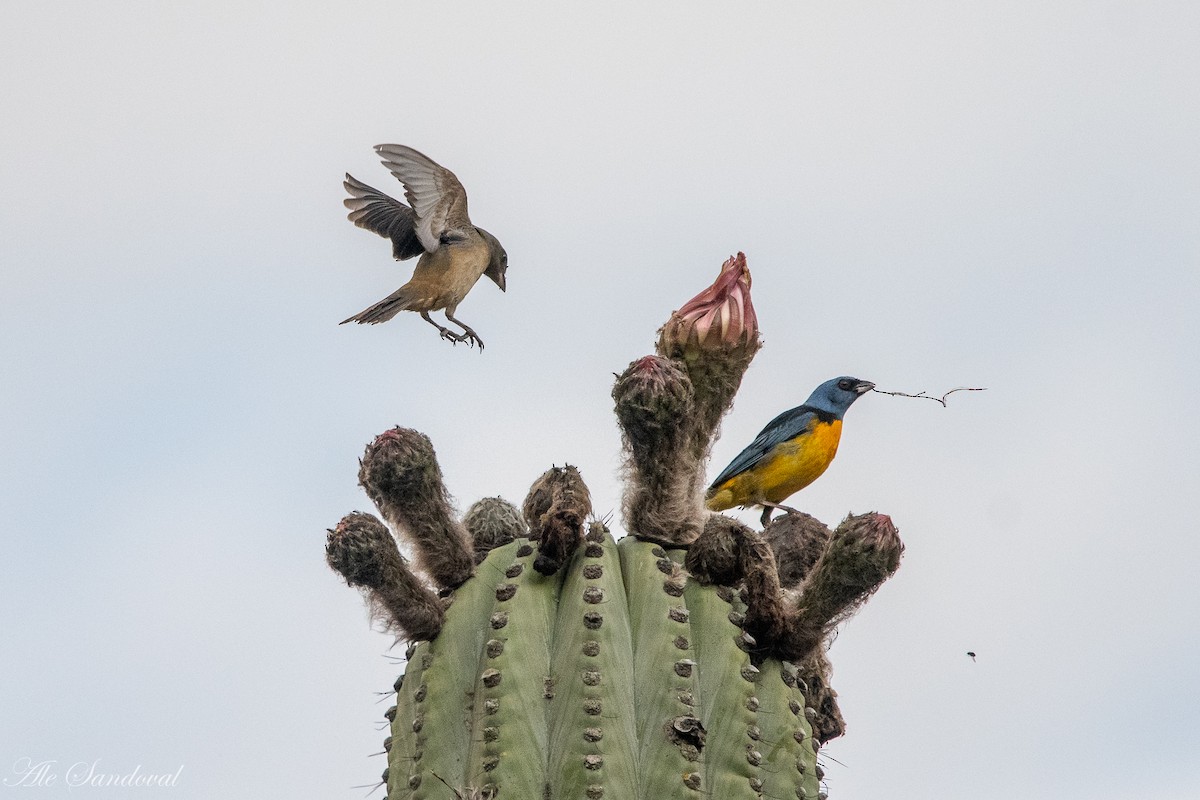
[(548, 660)]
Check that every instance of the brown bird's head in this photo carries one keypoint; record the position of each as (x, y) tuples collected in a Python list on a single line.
[(498, 265)]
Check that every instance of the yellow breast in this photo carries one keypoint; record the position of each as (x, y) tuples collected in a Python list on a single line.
[(790, 467)]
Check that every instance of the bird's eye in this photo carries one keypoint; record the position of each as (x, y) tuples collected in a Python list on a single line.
[(845, 385)]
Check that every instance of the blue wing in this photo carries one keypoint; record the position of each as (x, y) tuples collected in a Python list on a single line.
[(787, 425)]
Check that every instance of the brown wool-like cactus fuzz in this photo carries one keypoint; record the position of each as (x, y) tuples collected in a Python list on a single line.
[(493, 522), (652, 396), (863, 552), (556, 509), (716, 555), (826, 718), (400, 473), (797, 541), (362, 550), (549, 661)]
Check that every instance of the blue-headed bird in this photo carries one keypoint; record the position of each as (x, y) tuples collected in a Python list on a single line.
[(790, 453)]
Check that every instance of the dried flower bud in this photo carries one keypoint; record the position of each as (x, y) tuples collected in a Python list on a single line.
[(556, 509)]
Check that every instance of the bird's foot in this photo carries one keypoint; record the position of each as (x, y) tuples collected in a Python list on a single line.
[(451, 336), (469, 336), (768, 508), (472, 338)]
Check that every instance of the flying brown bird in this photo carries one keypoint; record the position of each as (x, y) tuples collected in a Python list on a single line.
[(435, 226)]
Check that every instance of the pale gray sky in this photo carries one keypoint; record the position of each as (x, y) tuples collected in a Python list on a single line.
[(930, 195)]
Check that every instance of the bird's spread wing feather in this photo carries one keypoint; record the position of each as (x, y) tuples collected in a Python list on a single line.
[(439, 200), (386, 216), (787, 425)]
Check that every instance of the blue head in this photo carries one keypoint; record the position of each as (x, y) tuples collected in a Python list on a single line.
[(837, 395)]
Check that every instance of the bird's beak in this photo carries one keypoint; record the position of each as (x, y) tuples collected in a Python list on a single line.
[(502, 283), (862, 387)]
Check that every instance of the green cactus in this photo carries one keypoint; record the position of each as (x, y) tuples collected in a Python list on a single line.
[(550, 661)]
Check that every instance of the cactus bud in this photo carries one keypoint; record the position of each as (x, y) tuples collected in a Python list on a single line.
[(556, 508), (714, 557), (491, 523), (797, 541), (362, 550), (400, 473), (814, 671), (864, 552), (653, 399)]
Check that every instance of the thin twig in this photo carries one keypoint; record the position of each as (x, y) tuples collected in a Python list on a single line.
[(923, 396)]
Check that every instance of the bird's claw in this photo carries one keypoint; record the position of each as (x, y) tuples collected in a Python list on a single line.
[(769, 508), (469, 336), (451, 336)]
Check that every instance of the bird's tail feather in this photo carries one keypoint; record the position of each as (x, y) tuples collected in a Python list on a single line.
[(385, 309)]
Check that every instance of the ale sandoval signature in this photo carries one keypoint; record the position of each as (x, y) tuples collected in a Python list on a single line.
[(28, 772)]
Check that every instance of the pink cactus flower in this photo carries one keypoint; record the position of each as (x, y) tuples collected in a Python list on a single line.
[(720, 317)]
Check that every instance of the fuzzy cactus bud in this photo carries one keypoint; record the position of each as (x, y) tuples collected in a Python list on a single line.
[(361, 549), (654, 407), (400, 473), (492, 522), (797, 540), (864, 552), (728, 553), (556, 508), (714, 558)]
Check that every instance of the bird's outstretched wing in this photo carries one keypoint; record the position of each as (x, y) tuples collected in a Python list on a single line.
[(435, 194), (386, 216), (787, 425)]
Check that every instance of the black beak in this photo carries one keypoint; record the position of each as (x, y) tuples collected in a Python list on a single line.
[(862, 387)]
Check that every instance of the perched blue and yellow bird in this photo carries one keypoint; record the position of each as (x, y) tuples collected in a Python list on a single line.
[(790, 453)]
